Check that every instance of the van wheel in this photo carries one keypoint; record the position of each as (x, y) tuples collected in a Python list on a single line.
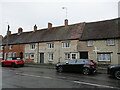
[(117, 75), (60, 69), (86, 71)]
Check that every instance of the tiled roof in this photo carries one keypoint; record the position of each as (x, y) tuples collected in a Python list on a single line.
[(101, 30), (54, 34)]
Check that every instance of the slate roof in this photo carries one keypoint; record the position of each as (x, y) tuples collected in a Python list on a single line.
[(69, 32), (107, 29)]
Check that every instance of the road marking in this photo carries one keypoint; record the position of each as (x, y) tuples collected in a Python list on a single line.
[(94, 84), (98, 85)]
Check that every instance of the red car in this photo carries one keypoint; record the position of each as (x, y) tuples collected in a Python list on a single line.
[(13, 61)]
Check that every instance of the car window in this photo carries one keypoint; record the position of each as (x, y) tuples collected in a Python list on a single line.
[(87, 61), (80, 61), (9, 58), (72, 61)]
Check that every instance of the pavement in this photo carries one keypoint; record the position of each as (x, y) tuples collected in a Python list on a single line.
[(102, 70)]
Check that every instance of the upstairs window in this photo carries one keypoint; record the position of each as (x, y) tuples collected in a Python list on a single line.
[(90, 43), (50, 45), (65, 44), (32, 46), (14, 54), (1, 47), (110, 42), (10, 47)]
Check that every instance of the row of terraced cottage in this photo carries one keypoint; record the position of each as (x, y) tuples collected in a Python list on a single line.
[(98, 41)]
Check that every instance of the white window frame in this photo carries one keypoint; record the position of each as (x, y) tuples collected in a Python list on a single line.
[(32, 46), (1, 47), (31, 55), (14, 54), (110, 42), (50, 45), (67, 55), (90, 43), (10, 47), (27, 55), (50, 56), (1, 54), (65, 44), (102, 57), (10, 54), (74, 54)]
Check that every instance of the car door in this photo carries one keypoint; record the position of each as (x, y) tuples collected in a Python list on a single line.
[(79, 65), (71, 65), (8, 61)]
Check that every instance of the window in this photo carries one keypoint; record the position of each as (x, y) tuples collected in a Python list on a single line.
[(10, 54), (50, 45), (50, 56), (104, 57), (67, 55), (32, 55), (1, 55), (14, 54), (1, 47), (10, 47), (32, 46), (72, 61), (65, 44), (110, 42), (90, 43), (26, 55), (73, 56)]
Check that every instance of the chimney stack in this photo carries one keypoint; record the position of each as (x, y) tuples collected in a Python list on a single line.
[(8, 32), (20, 30), (49, 25), (66, 22), (35, 28)]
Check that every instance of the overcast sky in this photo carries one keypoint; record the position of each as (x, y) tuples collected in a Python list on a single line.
[(27, 13)]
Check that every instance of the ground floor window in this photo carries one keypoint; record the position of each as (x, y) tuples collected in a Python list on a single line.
[(10, 54), (32, 55), (26, 55), (70, 55), (104, 57), (50, 56), (1, 55), (14, 54), (67, 55)]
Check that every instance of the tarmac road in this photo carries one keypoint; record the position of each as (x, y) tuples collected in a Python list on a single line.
[(41, 77)]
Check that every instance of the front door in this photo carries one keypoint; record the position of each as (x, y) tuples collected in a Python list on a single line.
[(41, 57), (83, 55)]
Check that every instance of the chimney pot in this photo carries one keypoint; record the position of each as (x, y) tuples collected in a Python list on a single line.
[(20, 30), (49, 25), (35, 28), (66, 22)]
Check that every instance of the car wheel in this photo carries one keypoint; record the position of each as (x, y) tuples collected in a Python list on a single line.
[(117, 75), (14, 65), (3, 65), (22, 65), (60, 69), (86, 71)]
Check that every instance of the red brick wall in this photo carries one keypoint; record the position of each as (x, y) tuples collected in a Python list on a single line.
[(16, 48)]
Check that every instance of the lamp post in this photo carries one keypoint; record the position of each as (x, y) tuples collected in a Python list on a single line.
[(66, 10)]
